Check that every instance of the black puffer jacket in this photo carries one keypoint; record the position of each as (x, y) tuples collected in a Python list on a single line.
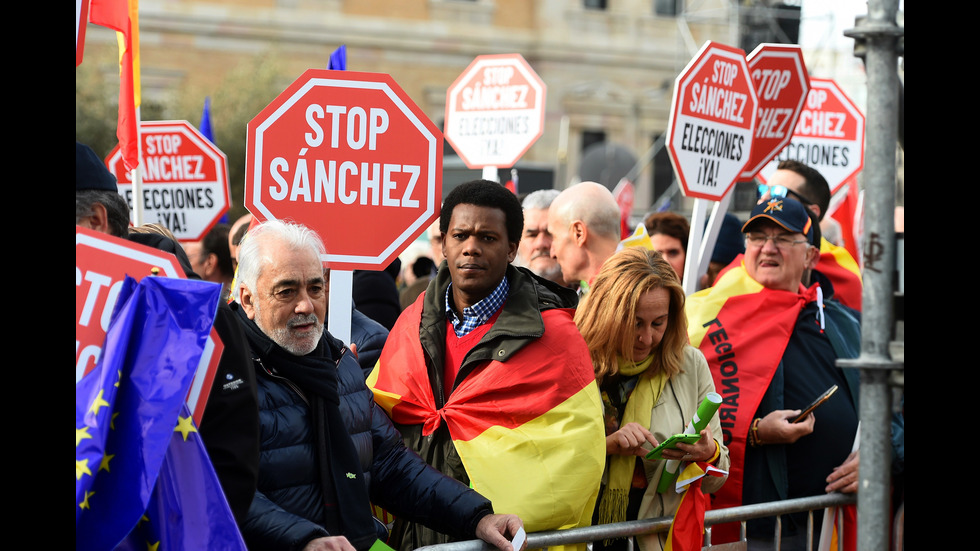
[(370, 337), (287, 508)]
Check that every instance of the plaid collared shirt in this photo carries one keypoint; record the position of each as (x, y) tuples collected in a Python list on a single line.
[(479, 313)]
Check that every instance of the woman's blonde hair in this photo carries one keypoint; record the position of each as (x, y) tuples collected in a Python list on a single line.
[(606, 317)]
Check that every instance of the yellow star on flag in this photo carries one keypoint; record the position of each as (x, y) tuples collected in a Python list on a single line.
[(104, 465), (185, 426), (81, 468), (98, 403), (81, 434), (84, 504)]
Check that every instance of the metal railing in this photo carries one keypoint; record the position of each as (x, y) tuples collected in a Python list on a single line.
[(543, 540)]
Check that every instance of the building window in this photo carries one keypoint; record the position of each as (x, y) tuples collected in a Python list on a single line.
[(594, 4), (590, 137), (668, 7)]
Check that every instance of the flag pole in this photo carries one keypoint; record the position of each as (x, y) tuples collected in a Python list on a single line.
[(137, 175)]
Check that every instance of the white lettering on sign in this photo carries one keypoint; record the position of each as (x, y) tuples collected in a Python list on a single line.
[(174, 168), (770, 82), (100, 298), (772, 122), (724, 73), (319, 180), (719, 103), (94, 297), (497, 75), (163, 144), (816, 98), (332, 180), (88, 357), (361, 128), (822, 123)]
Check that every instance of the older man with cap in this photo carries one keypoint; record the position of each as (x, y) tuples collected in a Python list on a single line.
[(805, 184), (772, 344)]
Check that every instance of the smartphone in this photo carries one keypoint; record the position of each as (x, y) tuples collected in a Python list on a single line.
[(672, 443), (813, 405)]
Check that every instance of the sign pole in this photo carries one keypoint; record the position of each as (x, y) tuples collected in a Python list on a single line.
[(338, 312), (490, 173), (137, 174)]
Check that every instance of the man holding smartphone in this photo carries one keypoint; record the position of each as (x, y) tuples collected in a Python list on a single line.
[(772, 344)]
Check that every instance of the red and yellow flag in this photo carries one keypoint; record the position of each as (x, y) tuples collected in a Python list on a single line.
[(742, 328), (687, 528), (122, 16), (837, 264), (529, 430)]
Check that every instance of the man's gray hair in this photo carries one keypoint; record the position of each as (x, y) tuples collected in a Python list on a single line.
[(540, 199), (117, 209), (252, 256)]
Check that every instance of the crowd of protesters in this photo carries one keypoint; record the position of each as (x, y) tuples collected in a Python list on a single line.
[(517, 378)]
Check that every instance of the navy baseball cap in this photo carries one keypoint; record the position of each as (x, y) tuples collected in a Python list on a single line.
[(90, 171), (787, 212)]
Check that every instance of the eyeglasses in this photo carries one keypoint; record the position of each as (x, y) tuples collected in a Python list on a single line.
[(782, 191), (783, 242)]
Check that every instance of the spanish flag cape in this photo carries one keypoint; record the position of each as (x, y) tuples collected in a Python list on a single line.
[(838, 266), (742, 328), (529, 429)]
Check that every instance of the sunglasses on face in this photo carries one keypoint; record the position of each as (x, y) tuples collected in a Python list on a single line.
[(782, 191)]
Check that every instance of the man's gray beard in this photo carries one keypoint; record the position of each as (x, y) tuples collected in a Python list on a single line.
[(283, 338), (553, 273)]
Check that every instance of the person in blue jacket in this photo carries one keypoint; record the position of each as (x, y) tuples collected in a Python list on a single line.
[(327, 451)]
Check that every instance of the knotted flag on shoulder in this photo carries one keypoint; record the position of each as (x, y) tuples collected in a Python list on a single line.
[(531, 441)]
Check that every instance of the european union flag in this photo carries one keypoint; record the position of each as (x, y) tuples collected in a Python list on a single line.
[(205, 125), (338, 59), (128, 468)]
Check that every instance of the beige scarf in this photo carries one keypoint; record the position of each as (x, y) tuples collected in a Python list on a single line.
[(615, 498)]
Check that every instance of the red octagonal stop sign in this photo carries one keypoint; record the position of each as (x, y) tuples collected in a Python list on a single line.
[(351, 156), (185, 178), (781, 84), (495, 110), (829, 136), (102, 262), (712, 121)]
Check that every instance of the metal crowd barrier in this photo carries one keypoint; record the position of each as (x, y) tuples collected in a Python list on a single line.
[(543, 540)]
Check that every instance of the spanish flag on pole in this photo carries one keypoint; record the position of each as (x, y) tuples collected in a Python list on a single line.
[(529, 430), (122, 16)]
